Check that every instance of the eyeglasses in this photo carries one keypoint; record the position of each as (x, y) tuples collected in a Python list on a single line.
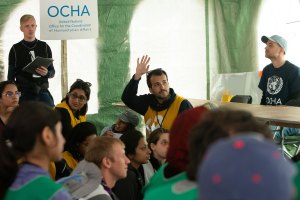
[(12, 94), (80, 98)]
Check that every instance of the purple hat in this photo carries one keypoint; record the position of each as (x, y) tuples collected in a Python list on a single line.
[(245, 167)]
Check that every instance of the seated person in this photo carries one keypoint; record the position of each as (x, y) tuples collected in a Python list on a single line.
[(74, 106), (126, 121), (196, 137), (287, 131), (162, 105), (9, 100), (173, 170), (218, 124), (94, 177), (81, 136), (33, 138), (250, 167), (158, 143), (136, 149)]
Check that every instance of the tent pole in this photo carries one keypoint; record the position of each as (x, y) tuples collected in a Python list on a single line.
[(64, 68)]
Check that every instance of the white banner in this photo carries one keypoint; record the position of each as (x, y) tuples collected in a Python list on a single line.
[(68, 19)]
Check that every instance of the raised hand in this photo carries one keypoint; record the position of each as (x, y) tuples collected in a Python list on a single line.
[(142, 67)]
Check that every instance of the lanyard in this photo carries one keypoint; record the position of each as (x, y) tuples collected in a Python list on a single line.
[(162, 121)]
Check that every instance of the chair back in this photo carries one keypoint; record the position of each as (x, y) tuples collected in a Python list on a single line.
[(241, 99)]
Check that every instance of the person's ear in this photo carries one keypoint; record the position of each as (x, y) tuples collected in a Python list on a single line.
[(152, 146), (106, 162), (151, 91), (47, 136), (130, 157), (281, 49)]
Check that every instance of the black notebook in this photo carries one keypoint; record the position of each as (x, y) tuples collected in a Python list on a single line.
[(36, 63)]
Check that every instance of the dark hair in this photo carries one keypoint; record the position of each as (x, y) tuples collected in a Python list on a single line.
[(85, 86), (19, 136), (217, 124), (131, 140), (155, 72), (3, 84), (78, 135), (129, 126), (154, 136)]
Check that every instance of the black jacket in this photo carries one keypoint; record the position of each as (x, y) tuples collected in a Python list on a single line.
[(141, 103), (131, 186)]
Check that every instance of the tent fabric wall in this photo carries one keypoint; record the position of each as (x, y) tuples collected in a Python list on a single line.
[(233, 35), (114, 51), (6, 6), (231, 32)]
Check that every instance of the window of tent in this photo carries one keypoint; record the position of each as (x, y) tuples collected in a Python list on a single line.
[(172, 33), (279, 17)]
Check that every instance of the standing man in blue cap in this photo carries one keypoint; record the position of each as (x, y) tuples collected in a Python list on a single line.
[(280, 81)]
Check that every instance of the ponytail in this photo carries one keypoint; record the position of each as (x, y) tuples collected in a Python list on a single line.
[(8, 166)]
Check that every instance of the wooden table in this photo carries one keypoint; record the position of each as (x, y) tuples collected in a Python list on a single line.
[(287, 116)]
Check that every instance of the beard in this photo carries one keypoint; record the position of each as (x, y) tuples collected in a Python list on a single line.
[(161, 95)]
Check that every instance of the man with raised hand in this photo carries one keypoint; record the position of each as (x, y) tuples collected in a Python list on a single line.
[(161, 107)]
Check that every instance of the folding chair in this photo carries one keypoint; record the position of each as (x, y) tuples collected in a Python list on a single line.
[(291, 145), (241, 99)]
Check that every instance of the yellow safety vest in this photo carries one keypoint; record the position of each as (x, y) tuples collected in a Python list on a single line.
[(70, 160), (162, 119), (74, 120)]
